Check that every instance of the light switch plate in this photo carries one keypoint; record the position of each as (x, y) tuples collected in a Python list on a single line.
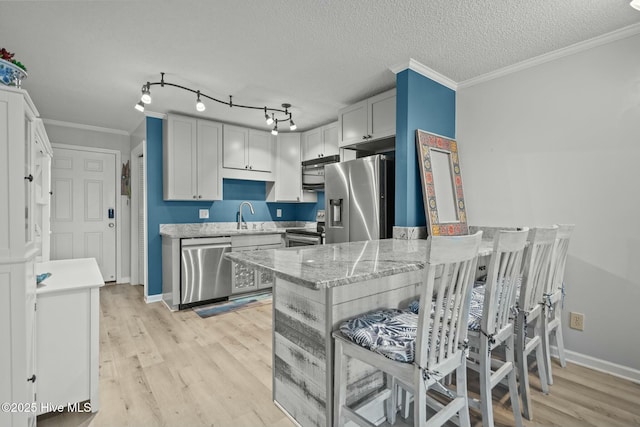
[(279, 213), (204, 213)]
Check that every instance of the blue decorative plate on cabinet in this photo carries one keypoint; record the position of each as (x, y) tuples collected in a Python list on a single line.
[(10, 74)]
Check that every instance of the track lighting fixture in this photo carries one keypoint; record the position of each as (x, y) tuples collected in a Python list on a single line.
[(146, 94), (200, 106), (267, 118), (140, 106)]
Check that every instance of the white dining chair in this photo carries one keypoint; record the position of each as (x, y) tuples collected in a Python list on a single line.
[(552, 299), (537, 262), (491, 323), (416, 350)]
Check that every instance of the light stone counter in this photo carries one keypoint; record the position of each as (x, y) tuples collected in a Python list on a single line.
[(338, 264), (216, 229)]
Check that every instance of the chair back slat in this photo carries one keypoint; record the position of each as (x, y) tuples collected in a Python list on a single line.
[(559, 260), (503, 277), (537, 265), (441, 333)]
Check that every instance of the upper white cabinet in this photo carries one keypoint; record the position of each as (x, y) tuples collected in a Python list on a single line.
[(247, 149), (191, 159), (287, 186), (367, 120), (18, 249), (320, 142)]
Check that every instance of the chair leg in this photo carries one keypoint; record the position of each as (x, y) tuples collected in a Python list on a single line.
[(546, 347), (392, 401), (523, 370), (406, 403), (513, 384), (419, 401), (560, 344), (339, 385), (542, 372), (486, 403), (461, 390)]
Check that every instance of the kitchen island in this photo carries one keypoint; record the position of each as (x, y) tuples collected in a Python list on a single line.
[(316, 289)]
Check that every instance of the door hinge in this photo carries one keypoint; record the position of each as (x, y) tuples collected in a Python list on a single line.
[(35, 306)]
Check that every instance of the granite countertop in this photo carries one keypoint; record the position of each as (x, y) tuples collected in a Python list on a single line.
[(216, 229), (338, 264)]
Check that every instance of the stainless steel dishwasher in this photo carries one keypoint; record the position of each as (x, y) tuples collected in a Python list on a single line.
[(205, 273)]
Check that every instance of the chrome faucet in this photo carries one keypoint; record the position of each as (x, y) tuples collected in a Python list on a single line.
[(240, 214)]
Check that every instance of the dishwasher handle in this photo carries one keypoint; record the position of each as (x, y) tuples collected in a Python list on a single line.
[(207, 241)]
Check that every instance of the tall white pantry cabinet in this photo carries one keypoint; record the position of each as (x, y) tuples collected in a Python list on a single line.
[(24, 203)]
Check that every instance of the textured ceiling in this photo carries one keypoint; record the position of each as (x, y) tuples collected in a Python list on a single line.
[(87, 60)]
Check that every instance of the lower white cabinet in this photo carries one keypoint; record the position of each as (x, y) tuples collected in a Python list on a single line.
[(246, 279), (67, 345)]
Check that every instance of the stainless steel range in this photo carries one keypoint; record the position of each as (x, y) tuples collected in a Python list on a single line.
[(306, 237)]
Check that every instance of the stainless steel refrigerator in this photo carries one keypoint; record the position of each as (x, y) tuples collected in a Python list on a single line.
[(359, 199)]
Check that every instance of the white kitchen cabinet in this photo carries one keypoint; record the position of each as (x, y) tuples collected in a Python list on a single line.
[(18, 249), (68, 334), (368, 120), (191, 159), (42, 188), (320, 142), (247, 279), (287, 186), (247, 149)]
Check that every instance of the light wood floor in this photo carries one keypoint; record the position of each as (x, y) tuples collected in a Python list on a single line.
[(159, 368)]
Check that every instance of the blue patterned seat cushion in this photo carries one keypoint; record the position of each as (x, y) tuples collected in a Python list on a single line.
[(389, 332), (475, 309)]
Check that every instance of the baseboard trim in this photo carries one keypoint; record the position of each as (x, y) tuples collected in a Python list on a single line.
[(124, 280), (600, 365), (153, 298)]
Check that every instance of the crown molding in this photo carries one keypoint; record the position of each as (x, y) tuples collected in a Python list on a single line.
[(85, 127), (425, 71), (620, 34)]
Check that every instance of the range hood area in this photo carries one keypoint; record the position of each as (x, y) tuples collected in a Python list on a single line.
[(313, 172)]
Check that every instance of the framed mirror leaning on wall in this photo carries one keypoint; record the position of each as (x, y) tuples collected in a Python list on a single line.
[(441, 185)]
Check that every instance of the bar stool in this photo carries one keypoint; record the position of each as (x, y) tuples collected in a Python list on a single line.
[(552, 299), (416, 350), (530, 311), (491, 323)]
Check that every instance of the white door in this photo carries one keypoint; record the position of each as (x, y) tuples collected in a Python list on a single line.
[(83, 205)]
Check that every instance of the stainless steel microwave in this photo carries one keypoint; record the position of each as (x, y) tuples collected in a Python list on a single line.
[(313, 172)]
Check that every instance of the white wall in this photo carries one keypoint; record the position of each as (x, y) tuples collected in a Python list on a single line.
[(560, 143), (97, 138)]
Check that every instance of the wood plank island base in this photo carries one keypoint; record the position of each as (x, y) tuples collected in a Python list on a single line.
[(316, 289)]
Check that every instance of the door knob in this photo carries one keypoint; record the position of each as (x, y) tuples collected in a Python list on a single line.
[(111, 225)]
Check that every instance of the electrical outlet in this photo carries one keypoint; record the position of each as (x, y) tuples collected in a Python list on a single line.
[(279, 213), (576, 321), (204, 213)]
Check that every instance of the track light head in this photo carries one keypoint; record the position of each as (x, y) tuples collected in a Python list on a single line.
[(292, 126), (199, 104), (274, 131), (146, 94), (269, 119), (139, 106)]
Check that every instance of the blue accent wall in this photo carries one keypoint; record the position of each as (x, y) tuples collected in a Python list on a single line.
[(422, 104), (233, 192)]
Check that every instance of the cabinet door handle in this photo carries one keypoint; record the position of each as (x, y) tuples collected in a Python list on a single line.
[(246, 166), (200, 197), (30, 178), (194, 196), (369, 136), (250, 167), (364, 136), (32, 378)]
